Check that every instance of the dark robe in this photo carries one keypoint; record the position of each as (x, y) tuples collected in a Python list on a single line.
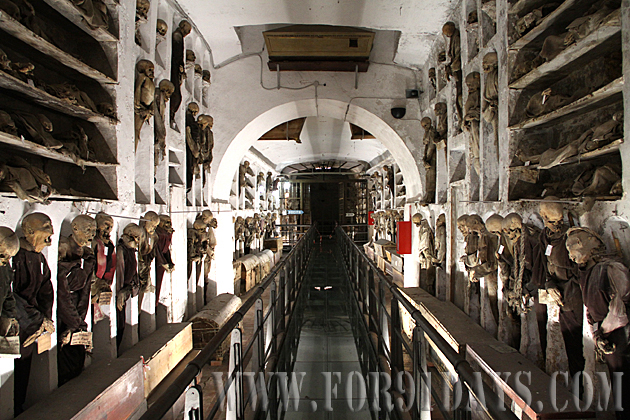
[(162, 257), (561, 273), (193, 154), (34, 296), (74, 281), (126, 264), (177, 68), (146, 255), (7, 301), (609, 306)]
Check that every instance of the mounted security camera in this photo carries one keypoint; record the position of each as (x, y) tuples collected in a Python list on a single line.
[(398, 113)]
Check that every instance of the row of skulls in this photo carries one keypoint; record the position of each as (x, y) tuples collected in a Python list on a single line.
[(256, 227)]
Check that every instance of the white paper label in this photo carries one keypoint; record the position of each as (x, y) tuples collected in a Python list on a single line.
[(31, 83), (548, 250), (44, 189), (544, 192), (531, 302), (106, 249), (527, 163), (82, 260), (501, 249)]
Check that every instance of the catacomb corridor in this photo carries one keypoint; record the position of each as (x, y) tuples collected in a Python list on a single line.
[(314, 209)]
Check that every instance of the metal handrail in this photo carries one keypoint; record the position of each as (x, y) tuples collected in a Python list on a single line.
[(494, 405), (194, 367)]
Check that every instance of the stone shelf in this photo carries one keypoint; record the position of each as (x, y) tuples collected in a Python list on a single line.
[(16, 29), (568, 6), (568, 60), (55, 197), (73, 14), (52, 102), (610, 93), (606, 150), (38, 149)]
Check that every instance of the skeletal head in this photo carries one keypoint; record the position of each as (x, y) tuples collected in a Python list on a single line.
[(193, 108), (441, 57), (167, 88), (462, 225), (416, 219), (513, 226), (6, 123), (490, 62), (426, 123), (107, 109), (472, 81), (149, 221), (583, 244), (214, 223), (161, 28), (5, 63), (494, 224), (618, 116), (205, 121), (246, 164), (38, 229), (206, 76), (475, 223), (166, 223), (552, 214), (142, 9), (441, 220), (448, 29), (83, 229), (432, 73), (9, 245), (440, 108), (190, 56), (206, 216), (104, 225), (184, 27), (198, 70), (133, 235), (45, 122), (146, 67)]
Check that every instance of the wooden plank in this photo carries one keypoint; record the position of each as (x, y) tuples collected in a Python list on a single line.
[(498, 359), (49, 101), (162, 351), (39, 150), (610, 93), (611, 148), (73, 14), (109, 390), (16, 29), (567, 60)]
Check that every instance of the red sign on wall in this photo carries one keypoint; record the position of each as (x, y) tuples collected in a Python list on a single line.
[(370, 219), (403, 238)]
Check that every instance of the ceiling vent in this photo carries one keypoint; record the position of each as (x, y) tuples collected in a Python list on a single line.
[(318, 48)]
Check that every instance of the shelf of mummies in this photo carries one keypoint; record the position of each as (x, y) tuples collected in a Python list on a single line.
[(550, 273)]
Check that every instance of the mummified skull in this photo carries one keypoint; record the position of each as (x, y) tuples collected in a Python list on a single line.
[(198, 70), (462, 225), (473, 81), (132, 235), (150, 221), (190, 56), (166, 223), (38, 229), (494, 224), (441, 220), (146, 67), (167, 89), (161, 28), (6, 123), (184, 27), (142, 9), (490, 62), (45, 122), (206, 76), (426, 123), (206, 216), (416, 219), (83, 229), (107, 109), (193, 108), (9, 245), (583, 244), (5, 63), (205, 121), (513, 226), (104, 226), (552, 214), (440, 108)]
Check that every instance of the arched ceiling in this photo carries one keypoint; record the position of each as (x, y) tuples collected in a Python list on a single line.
[(418, 21), (322, 138)]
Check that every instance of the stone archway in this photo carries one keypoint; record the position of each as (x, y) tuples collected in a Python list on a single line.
[(356, 115)]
